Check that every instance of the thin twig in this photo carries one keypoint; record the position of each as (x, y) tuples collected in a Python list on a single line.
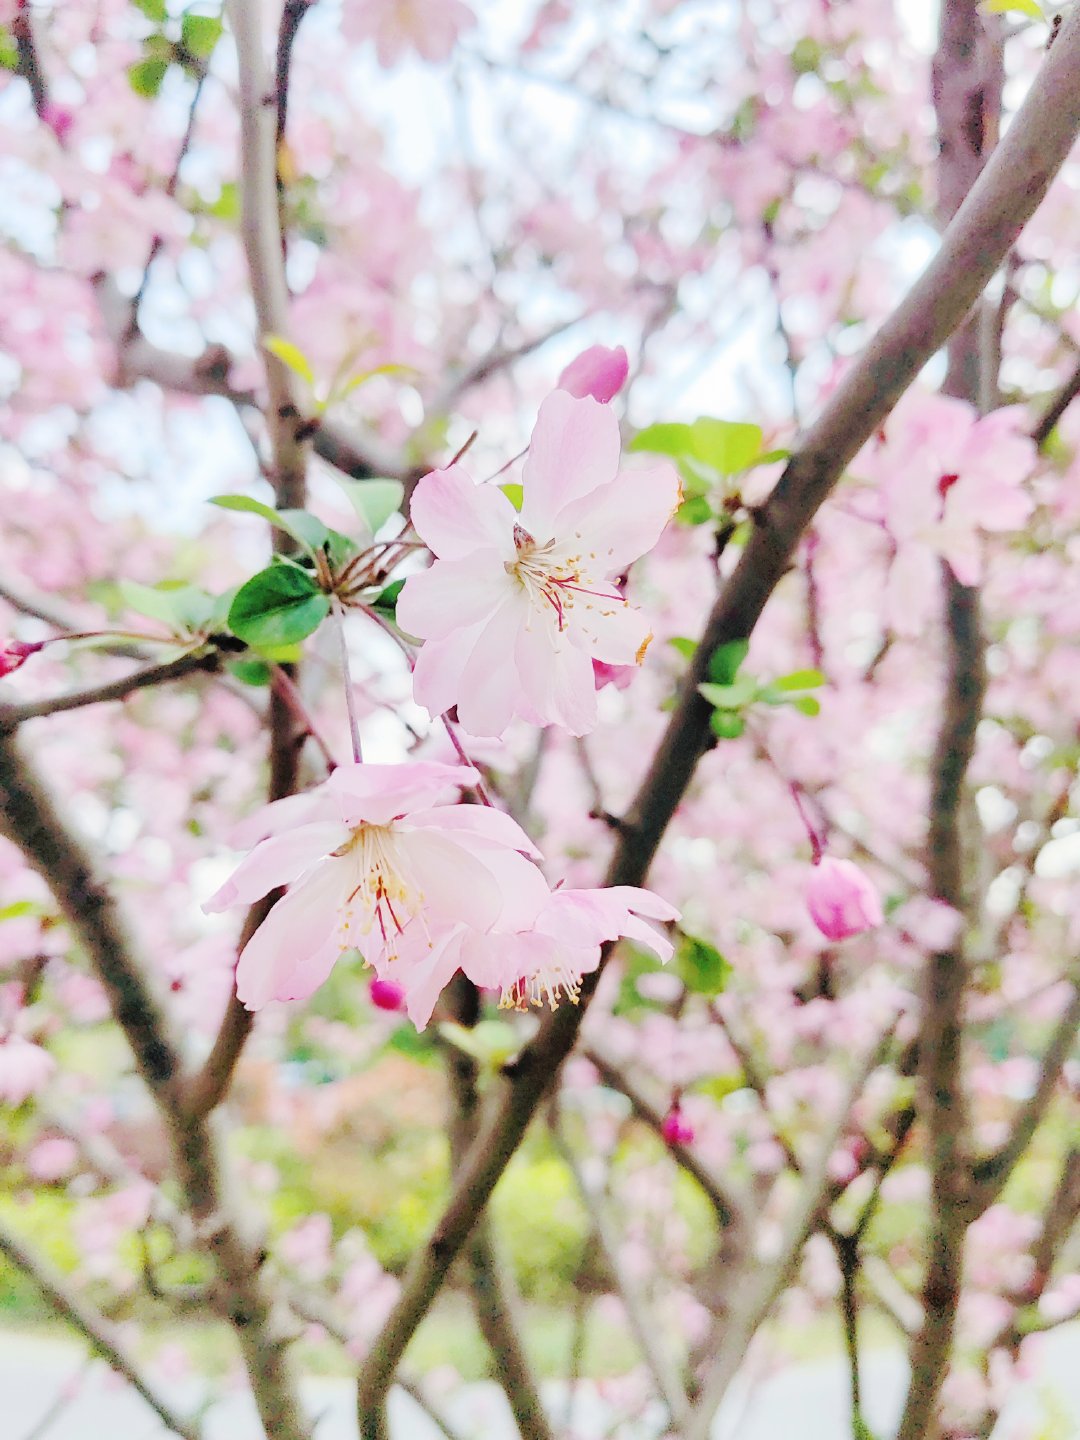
[(12, 716)]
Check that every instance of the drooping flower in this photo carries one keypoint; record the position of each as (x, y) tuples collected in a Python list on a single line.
[(539, 950), (598, 372), (517, 607), (841, 899), (370, 859)]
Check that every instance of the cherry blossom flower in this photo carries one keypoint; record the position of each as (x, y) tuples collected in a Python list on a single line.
[(841, 900), (539, 950), (25, 1068), (430, 27), (598, 372), (516, 607), (365, 854)]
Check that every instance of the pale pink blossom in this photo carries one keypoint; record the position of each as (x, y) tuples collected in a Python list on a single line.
[(25, 1069), (52, 1158), (366, 854), (841, 900), (538, 951), (598, 372), (428, 27), (517, 607)]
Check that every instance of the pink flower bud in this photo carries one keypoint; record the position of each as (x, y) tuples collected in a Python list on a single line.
[(59, 120), (386, 995), (598, 372), (841, 900), (16, 653), (676, 1129), (618, 675)]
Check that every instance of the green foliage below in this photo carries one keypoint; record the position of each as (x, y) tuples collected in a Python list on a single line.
[(700, 966), (146, 76)]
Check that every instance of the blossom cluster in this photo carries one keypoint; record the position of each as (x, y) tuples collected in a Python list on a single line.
[(514, 611)]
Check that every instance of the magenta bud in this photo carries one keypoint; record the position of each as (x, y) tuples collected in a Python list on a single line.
[(598, 372), (386, 995), (676, 1129), (16, 653), (841, 900)]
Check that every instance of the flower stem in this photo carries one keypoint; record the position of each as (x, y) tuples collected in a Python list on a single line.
[(346, 674), (452, 733), (289, 691)]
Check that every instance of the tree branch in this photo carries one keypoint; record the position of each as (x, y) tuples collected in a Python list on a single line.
[(1006, 195), (103, 1337), (12, 716), (28, 817)]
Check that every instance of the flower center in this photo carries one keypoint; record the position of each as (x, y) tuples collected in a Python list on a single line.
[(384, 895), (551, 983), (553, 579)]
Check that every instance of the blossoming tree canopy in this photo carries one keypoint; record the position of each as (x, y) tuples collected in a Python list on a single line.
[(538, 676)]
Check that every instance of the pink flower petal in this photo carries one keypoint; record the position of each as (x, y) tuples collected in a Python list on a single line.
[(489, 686), (452, 594), (439, 668), (456, 518), (477, 823), (556, 677), (376, 794), (598, 372), (294, 949), (279, 860), (454, 883), (574, 450), (618, 522)]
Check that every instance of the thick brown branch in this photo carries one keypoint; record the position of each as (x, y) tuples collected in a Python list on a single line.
[(1004, 198)]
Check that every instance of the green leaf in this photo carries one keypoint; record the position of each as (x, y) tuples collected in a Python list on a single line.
[(695, 511), (199, 34), (180, 607), (725, 661), (700, 966), (153, 9), (807, 704), (281, 605), (726, 724), (673, 440), (386, 600), (374, 500), (742, 691), (18, 909), (684, 645), (290, 356), (729, 446), (1022, 7), (362, 377), (514, 493), (227, 204), (491, 1043), (800, 680), (306, 529), (9, 51), (251, 672), (145, 77)]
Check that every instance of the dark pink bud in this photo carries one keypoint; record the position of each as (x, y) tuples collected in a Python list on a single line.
[(618, 675), (676, 1129), (841, 900), (15, 654), (386, 995), (598, 372)]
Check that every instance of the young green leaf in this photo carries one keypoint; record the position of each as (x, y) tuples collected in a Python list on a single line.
[(700, 966), (180, 607), (725, 661), (374, 500), (145, 77), (386, 600), (291, 356), (726, 724), (742, 691), (281, 605), (199, 34), (800, 680), (306, 529), (251, 672), (1022, 7), (514, 493), (684, 645), (156, 10), (729, 446), (673, 440)]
